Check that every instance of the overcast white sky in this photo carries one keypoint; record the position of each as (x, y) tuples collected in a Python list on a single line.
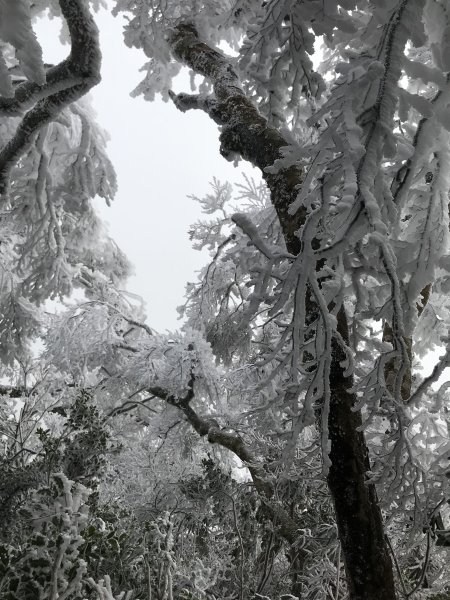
[(161, 156)]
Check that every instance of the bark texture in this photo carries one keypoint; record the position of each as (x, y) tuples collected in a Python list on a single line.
[(358, 516), (247, 134)]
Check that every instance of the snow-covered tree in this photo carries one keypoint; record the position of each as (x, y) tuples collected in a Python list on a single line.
[(52, 165), (324, 308), (327, 284)]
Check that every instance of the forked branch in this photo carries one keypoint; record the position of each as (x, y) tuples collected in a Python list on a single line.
[(245, 132), (209, 428)]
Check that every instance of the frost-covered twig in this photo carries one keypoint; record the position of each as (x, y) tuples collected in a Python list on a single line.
[(434, 376)]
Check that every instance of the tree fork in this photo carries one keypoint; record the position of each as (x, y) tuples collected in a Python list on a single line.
[(246, 133)]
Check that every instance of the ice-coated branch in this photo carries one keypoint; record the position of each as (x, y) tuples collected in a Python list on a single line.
[(65, 83), (207, 427), (185, 102), (434, 376), (130, 405), (244, 223), (423, 141), (245, 132)]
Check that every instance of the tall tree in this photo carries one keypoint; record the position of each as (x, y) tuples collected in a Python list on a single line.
[(344, 162)]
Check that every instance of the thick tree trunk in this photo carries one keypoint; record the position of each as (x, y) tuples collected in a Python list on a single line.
[(366, 556), (247, 133)]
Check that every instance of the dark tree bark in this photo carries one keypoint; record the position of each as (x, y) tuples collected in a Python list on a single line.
[(246, 133)]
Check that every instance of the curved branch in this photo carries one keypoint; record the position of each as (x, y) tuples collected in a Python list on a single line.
[(66, 83)]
